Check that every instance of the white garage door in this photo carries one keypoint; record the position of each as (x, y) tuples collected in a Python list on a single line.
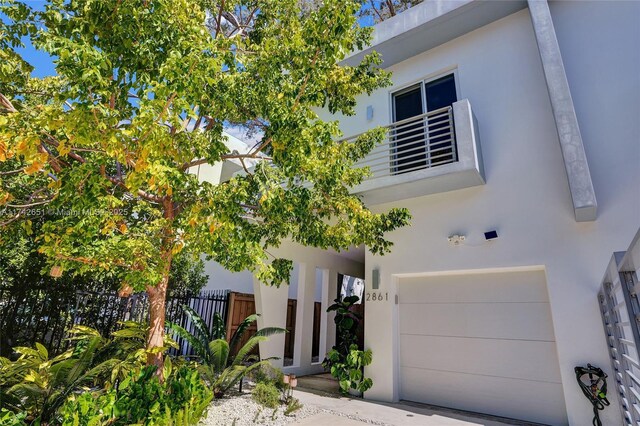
[(481, 342)]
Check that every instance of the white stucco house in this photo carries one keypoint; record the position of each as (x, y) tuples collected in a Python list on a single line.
[(512, 118)]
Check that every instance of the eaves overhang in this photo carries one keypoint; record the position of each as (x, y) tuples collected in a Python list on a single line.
[(430, 24)]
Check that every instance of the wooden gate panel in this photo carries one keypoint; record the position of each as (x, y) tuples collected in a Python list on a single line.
[(241, 305)]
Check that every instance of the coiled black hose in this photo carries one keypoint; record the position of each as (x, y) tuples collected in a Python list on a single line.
[(595, 389)]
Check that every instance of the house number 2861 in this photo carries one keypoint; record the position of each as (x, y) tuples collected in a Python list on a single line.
[(377, 297)]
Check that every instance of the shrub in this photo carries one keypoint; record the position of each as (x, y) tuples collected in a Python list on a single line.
[(9, 418), (266, 394), (181, 400), (292, 406), (269, 374), (99, 381), (38, 385)]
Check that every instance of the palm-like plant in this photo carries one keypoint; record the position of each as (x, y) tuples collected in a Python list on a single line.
[(38, 385), (221, 365)]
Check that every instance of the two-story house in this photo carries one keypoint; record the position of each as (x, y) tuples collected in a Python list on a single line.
[(514, 141)]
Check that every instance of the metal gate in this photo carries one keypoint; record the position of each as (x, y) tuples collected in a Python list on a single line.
[(620, 309)]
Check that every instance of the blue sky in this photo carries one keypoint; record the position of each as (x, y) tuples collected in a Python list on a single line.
[(41, 61)]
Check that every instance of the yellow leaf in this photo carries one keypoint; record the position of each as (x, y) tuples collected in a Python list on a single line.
[(212, 227), (193, 221), (123, 228), (140, 165), (177, 248), (22, 146), (33, 168), (169, 191), (280, 95), (63, 149), (5, 197)]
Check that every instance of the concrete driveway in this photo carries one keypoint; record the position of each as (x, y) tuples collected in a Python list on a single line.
[(340, 411)]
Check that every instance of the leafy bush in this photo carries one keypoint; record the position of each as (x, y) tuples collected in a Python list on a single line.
[(98, 382), (269, 374), (38, 386), (142, 399), (266, 394)]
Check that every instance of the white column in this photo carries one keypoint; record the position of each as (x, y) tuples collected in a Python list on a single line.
[(575, 158), (329, 294), (271, 304), (304, 316)]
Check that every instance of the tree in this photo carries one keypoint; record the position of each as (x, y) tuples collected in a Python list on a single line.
[(381, 10), (142, 93)]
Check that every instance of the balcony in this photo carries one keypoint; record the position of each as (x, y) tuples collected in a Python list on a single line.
[(431, 153)]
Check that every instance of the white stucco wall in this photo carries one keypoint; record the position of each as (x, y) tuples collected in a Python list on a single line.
[(222, 279), (526, 197)]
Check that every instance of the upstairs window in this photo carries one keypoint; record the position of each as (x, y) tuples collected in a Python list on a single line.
[(422, 135)]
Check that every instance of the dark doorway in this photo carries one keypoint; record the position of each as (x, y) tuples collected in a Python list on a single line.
[(357, 308)]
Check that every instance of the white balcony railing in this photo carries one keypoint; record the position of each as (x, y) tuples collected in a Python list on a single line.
[(419, 142), (620, 310), (433, 152)]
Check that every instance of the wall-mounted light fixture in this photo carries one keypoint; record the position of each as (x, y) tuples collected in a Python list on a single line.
[(375, 279)]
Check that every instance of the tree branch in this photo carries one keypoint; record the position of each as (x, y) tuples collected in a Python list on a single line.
[(219, 18), (240, 157), (12, 172), (27, 206), (6, 104)]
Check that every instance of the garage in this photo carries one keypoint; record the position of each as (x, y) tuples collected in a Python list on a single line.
[(480, 342)]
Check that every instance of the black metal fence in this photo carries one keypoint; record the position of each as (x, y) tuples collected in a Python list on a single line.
[(45, 315), (34, 314)]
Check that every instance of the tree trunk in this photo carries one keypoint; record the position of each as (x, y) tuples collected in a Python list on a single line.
[(155, 339), (158, 297)]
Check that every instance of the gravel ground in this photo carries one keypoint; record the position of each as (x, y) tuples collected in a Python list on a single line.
[(240, 410)]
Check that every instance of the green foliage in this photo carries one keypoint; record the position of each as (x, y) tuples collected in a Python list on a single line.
[(349, 369), (270, 375), (345, 361), (292, 406), (98, 382), (38, 385), (140, 98), (141, 399), (266, 394), (140, 94), (347, 321), (222, 365), (9, 418)]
